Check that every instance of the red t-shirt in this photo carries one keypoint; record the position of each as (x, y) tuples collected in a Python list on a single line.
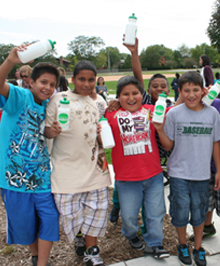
[(135, 156)]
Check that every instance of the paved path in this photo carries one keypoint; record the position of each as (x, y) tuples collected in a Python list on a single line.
[(211, 245)]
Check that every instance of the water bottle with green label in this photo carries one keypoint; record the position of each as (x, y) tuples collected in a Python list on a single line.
[(63, 115), (131, 30), (213, 93), (35, 50), (160, 108)]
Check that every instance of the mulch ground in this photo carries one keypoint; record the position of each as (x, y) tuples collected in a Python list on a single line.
[(114, 247)]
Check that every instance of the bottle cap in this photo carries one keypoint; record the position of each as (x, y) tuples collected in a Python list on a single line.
[(133, 16), (52, 43), (103, 119), (64, 101), (163, 95)]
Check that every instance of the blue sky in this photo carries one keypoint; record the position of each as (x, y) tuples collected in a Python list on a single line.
[(168, 22)]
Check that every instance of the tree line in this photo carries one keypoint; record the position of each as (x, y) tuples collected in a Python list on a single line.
[(153, 57)]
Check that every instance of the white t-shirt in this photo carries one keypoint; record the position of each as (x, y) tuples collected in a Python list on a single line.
[(75, 151)]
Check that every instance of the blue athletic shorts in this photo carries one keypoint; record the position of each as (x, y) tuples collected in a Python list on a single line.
[(29, 216), (188, 199)]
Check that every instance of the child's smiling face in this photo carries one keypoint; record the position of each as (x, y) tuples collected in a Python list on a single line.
[(192, 95), (43, 88), (84, 82), (157, 86), (130, 98)]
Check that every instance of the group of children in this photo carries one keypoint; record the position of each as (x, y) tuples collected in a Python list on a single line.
[(79, 179)]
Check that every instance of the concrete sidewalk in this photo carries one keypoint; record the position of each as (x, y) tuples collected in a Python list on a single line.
[(211, 245)]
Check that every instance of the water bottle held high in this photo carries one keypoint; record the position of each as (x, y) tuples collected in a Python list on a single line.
[(35, 50), (131, 31)]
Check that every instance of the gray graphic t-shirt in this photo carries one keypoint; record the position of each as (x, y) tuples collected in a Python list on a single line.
[(193, 133)]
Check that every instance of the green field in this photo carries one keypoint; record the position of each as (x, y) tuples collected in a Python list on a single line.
[(111, 85)]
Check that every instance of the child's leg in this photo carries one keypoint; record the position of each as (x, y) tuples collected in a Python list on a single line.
[(131, 198), (198, 232), (41, 249), (34, 248), (90, 241), (155, 210), (181, 231)]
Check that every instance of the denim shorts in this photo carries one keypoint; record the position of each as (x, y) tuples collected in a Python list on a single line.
[(189, 201), (214, 196), (29, 216)]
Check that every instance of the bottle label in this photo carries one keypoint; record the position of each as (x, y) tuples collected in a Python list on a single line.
[(63, 118), (159, 110), (212, 95)]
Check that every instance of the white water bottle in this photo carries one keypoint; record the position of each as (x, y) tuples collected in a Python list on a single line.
[(35, 50), (63, 115), (213, 93), (131, 30), (106, 134), (160, 108)]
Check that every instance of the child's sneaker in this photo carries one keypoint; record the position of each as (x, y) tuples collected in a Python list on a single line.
[(158, 252), (80, 245), (207, 232), (199, 257), (92, 257), (183, 255), (136, 243), (114, 215)]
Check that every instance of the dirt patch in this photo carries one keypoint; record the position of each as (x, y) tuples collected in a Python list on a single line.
[(114, 247)]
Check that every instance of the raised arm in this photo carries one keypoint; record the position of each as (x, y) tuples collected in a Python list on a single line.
[(136, 65)]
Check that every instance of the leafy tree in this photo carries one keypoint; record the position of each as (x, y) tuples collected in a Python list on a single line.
[(189, 63), (101, 59), (213, 29), (207, 50), (184, 51), (4, 51), (127, 62), (177, 58), (113, 56), (151, 58), (85, 48)]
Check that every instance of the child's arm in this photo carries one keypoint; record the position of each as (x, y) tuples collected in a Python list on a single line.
[(53, 131), (164, 140), (136, 65), (216, 157), (99, 129), (11, 60)]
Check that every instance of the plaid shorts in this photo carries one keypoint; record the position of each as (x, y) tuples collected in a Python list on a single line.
[(86, 212), (214, 196)]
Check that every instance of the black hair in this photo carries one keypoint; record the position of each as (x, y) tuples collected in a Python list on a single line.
[(126, 80), (84, 65), (99, 79), (177, 75), (191, 77), (205, 60), (42, 68), (157, 76), (217, 75), (62, 84)]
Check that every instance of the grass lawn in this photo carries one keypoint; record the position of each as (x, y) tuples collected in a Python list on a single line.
[(111, 85)]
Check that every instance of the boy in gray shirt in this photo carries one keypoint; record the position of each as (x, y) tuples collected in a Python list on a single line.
[(192, 129)]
